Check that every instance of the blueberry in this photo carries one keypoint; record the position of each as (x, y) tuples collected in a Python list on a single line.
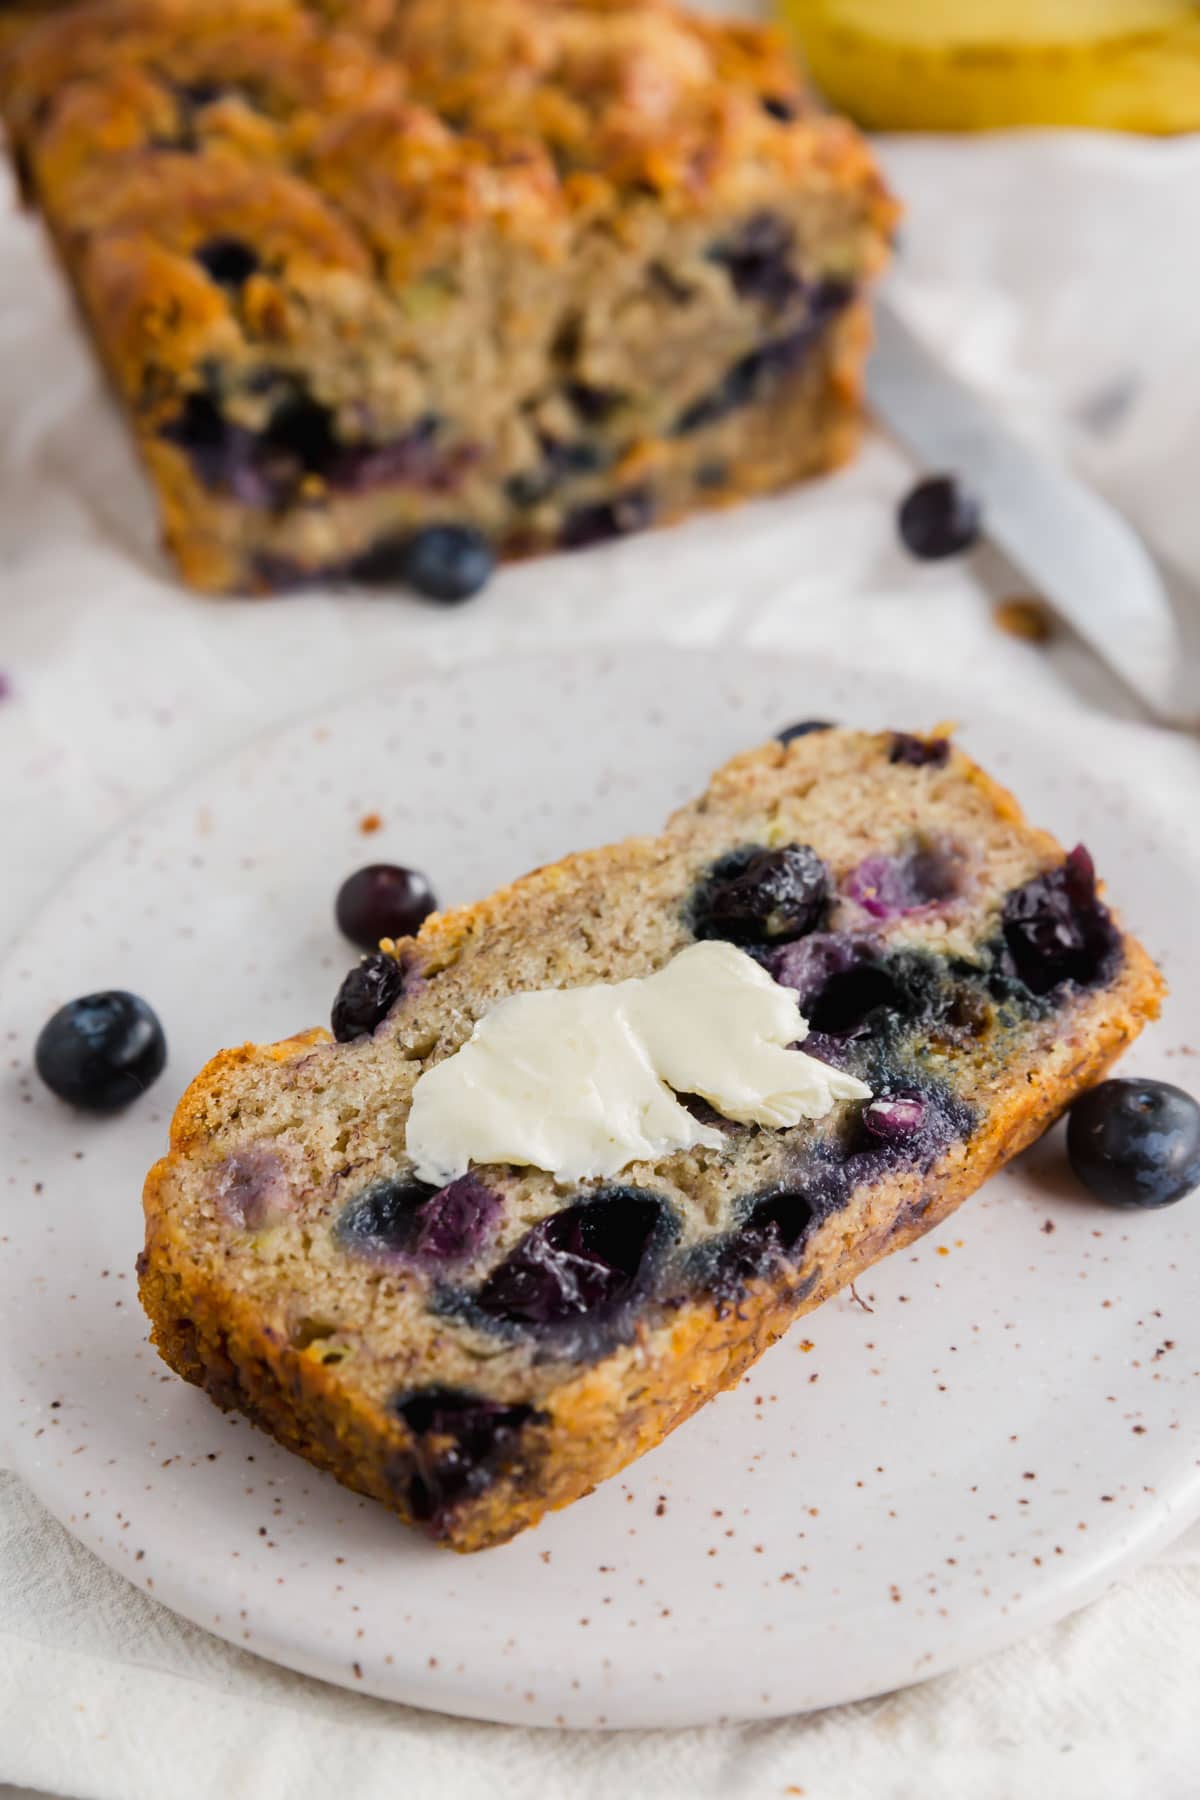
[(382, 1222), (758, 896), (781, 107), (1057, 929), (1136, 1143), (252, 1188), (366, 997), (896, 1114), (756, 257), (228, 260), (408, 1221), (585, 1260), (888, 887), (460, 1439), (938, 518), (810, 963), (772, 1232), (102, 1051), (845, 1005), (448, 562), (804, 728), (919, 753), (454, 1223), (752, 376), (383, 901), (605, 519)]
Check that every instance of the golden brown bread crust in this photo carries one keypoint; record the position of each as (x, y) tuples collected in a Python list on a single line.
[(554, 268), (597, 1417)]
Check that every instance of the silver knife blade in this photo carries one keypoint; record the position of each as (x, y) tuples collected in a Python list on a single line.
[(1079, 553)]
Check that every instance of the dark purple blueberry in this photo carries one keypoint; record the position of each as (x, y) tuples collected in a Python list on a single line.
[(605, 519), (366, 997), (781, 107), (407, 1221), (757, 258), (888, 887), (772, 1231), (383, 901), (919, 753), (382, 1222), (456, 1221), (809, 964), (585, 1261), (804, 728), (301, 431), (101, 1051), (1057, 929), (594, 405), (938, 518), (223, 455), (448, 562), (1136, 1143), (752, 376), (845, 1005), (228, 260), (460, 1442), (895, 1115), (758, 896), (415, 459)]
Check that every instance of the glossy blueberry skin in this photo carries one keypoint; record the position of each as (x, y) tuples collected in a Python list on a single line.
[(366, 997), (384, 900), (938, 518), (1136, 1143), (1056, 927), (755, 895), (448, 562), (581, 1263), (101, 1051)]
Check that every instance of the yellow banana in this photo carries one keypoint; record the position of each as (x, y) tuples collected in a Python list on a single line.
[(1131, 65)]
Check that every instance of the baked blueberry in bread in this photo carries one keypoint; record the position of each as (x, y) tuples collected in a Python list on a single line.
[(474, 1342), (389, 287)]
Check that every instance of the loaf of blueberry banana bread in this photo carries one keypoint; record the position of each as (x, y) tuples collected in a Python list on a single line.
[(540, 272), (474, 1343)]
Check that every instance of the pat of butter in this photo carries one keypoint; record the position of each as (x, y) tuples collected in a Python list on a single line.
[(578, 1081)]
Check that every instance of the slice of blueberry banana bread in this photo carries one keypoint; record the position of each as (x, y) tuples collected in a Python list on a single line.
[(550, 270), (477, 1351)]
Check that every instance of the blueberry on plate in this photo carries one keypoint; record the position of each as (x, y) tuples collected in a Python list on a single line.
[(448, 562), (101, 1051), (1136, 1143), (938, 518), (383, 900)]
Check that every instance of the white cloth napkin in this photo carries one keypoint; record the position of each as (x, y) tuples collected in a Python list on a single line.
[(1059, 273)]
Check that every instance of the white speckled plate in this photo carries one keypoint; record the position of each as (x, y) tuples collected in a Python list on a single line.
[(1007, 1416)]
